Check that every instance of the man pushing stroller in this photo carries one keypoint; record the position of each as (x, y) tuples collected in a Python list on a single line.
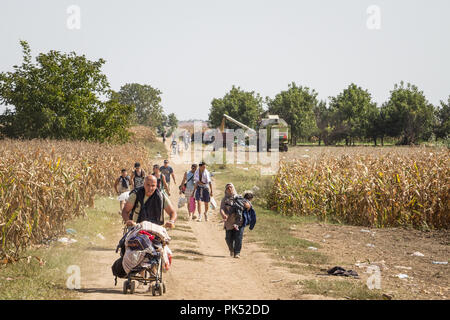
[(143, 214)]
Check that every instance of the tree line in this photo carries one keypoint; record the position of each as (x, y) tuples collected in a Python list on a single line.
[(66, 96), (351, 116)]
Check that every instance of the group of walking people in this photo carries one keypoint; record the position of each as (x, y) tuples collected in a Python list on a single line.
[(197, 188), (148, 199), (126, 183)]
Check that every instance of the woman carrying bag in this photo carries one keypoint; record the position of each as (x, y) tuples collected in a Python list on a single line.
[(187, 187)]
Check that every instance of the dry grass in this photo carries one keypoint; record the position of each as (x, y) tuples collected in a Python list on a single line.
[(45, 183), (367, 186)]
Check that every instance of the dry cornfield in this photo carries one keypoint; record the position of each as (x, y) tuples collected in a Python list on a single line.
[(373, 187), (45, 183)]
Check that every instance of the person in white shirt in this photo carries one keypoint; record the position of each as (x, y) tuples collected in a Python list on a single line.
[(202, 189)]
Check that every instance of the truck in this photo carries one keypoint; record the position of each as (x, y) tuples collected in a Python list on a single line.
[(269, 123)]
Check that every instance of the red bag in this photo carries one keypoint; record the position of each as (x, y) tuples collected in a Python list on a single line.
[(191, 204)]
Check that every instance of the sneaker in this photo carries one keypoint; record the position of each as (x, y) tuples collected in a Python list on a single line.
[(237, 256), (199, 219)]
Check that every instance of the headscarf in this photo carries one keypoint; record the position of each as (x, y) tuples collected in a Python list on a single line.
[(232, 194)]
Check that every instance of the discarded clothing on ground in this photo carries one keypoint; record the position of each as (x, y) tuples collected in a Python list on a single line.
[(339, 271)]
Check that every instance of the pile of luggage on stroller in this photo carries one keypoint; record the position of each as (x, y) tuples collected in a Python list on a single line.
[(144, 254)]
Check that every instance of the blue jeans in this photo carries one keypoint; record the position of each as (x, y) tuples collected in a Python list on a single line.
[(234, 239)]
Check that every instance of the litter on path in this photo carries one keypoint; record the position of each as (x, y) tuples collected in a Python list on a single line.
[(273, 281), (402, 267), (339, 271), (66, 240), (418, 254), (71, 231)]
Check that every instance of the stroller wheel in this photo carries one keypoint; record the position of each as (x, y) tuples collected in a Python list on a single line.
[(125, 287), (164, 287), (132, 286), (153, 290), (160, 290)]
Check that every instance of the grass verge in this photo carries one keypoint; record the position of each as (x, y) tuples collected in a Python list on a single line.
[(29, 280), (156, 147), (276, 234)]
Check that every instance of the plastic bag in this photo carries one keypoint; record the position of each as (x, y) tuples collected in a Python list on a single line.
[(212, 203), (181, 202), (124, 196), (166, 258)]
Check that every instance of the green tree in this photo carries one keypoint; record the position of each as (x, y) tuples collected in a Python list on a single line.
[(162, 127), (172, 120), (241, 105), (322, 115), (442, 129), (377, 125), (408, 114), (351, 113), (296, 106), (60, 97), (147, 103), (172, 123)]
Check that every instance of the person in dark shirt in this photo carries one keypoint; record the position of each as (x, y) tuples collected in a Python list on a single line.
[(167, 171), (122, 185)]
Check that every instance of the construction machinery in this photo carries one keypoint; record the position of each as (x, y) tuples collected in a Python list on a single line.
[(269, 123)]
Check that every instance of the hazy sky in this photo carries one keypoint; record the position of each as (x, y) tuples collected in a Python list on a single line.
[(196, 50)]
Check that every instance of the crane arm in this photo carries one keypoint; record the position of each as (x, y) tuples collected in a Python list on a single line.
[(225, 116)]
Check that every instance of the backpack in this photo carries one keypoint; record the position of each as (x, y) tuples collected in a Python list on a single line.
[(117, 269)]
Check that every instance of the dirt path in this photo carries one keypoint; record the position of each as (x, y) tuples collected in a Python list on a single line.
[(201, 269)]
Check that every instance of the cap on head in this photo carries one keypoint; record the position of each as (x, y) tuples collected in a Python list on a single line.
[(202, 163), (137, 165), (166, 161)]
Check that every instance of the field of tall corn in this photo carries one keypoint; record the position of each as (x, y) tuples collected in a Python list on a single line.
[(45, 183), (373, 187)]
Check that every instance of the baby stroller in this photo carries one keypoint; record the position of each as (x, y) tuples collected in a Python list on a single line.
[(144, 254), (152, 273)]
